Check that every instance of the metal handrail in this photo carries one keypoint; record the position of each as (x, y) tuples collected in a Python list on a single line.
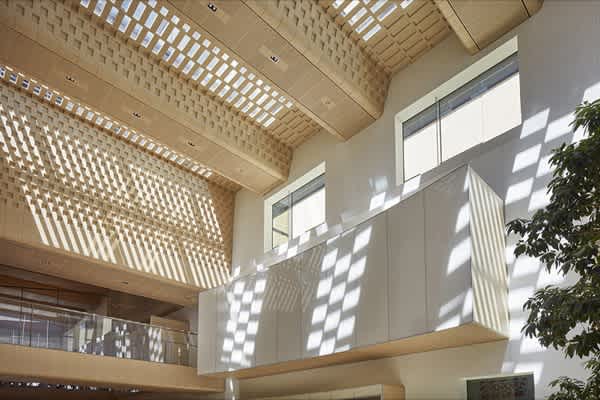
[(87, 333), (68, 310)]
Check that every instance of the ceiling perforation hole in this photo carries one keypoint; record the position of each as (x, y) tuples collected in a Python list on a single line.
[(365, 18)]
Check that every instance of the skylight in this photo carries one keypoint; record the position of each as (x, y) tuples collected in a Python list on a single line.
[(194, 56), (365, 16), (77, 109)]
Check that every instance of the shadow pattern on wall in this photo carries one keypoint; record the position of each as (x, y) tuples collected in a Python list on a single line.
[(70, 185), (406, 280)]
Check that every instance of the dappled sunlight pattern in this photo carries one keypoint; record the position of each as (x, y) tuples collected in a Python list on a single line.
[(313, 296), (449, 200), (204, 63), (546, 125), (121, 60), (379, 282), (526, 193), (70, 185), (333, 318), (245, 301), (78, 109), (283, 292), (488, 263), (370, 287)]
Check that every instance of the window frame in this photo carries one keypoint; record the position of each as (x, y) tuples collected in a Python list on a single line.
[(286, 191), (459, 80)]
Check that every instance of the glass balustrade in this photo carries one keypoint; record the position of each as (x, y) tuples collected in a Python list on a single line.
[(32, 324)]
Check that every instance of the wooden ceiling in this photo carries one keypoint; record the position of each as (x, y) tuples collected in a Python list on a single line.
[(392, 35), (230, 88), (477, 24)]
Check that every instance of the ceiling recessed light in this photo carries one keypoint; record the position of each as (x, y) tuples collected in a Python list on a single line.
[(212, 7)]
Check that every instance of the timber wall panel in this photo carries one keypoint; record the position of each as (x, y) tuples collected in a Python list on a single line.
[(69, 185)]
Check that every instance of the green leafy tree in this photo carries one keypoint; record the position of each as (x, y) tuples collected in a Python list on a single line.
[(565, 237)]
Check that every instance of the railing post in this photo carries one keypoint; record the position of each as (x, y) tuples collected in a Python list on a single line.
[(30, 323), (93, 338), (232, 389), (21, 335)]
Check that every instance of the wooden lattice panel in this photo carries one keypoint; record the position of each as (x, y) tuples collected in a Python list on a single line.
[(80, 110), (394, 33), (308, 26), (295, 128), (68, 28), (200, 59), (64, 183)]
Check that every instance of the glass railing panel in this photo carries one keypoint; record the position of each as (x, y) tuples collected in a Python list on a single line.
[(12, 323), (36, 325)]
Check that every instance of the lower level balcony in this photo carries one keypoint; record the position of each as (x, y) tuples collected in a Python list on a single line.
[(53, 344)]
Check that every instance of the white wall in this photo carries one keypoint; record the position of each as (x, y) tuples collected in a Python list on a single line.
[(189, 314), (559, 67), (377, 282)]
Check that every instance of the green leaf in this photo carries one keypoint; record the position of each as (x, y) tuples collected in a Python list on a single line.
[(565, 236)]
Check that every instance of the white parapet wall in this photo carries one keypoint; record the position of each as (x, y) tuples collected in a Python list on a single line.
[(428, 272)]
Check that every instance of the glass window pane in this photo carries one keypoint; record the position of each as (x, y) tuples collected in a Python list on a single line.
[(280, 223), (308, 189), (501, 108), (420, 151), (483, 108), (308, 206), (418, 122), (479, 85), (279, 239), (461, 129), (308, 213)]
